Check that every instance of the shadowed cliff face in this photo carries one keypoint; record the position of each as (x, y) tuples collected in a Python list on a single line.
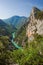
[(36, 24)]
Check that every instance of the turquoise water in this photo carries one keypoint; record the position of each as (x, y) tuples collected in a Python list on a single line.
[(15, 43)]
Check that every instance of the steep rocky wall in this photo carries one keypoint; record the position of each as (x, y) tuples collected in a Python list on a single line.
[(35, 25)]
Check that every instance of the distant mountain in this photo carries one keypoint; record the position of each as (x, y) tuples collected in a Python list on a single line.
[(2, 23), (2, 27), (16, 21), (5, 29)]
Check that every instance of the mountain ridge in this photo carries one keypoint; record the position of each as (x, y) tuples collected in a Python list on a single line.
[(16, 21)]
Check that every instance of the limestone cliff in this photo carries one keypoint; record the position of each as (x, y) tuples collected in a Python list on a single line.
[(35, 23)]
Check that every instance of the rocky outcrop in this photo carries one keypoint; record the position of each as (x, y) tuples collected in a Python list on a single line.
[(35, 25)]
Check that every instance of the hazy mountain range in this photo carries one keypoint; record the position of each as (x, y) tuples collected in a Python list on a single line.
[(11, 24), (16, 21)]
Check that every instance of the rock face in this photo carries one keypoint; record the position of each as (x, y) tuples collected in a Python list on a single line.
[(35, 25)]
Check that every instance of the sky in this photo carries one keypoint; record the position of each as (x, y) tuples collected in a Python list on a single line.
[(9, 8)]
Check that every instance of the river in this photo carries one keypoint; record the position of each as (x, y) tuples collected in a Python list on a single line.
[(15, 43)]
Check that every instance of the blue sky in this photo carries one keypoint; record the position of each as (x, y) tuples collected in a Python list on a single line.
[(10, 8)]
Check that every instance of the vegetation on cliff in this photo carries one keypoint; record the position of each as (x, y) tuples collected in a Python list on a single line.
[(39, 15)]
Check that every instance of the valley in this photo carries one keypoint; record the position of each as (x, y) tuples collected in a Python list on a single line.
[(21, 39)]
